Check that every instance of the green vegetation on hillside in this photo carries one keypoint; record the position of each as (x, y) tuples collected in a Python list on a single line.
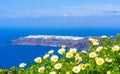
[(102, 57)]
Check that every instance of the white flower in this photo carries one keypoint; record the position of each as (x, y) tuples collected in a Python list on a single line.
[(77, 55), (92, 55), (51, 52), (41, 69), (22, 65), (53, 72), (61, 51), (84, 51), (73, 50), (95, 43), (93, 40), (115, 48), (103, 36), (108, 72), (69, 55), (90, 39), (99, 48), (54, 58), (46, 56), (76, 69), (38, 60), (82, 66), (58, 66), (108, 59), (78, 59), (99, 61)]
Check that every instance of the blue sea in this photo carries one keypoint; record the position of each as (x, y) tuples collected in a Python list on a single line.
[(13, 55)]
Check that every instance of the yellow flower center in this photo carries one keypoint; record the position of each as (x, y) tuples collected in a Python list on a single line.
[(41, 70), (108, 72), (81, 66), (58, 66), (100, 62), (71, 62), (54, 58), (92, 55), (78, 59), (94, 40), (38, 60), (115, 48), (76, 69), (61, 51), (69, 55)]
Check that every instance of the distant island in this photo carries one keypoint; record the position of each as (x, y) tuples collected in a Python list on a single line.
[(52, 40)]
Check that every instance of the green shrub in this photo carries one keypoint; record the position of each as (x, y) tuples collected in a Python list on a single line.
[(102, 57)]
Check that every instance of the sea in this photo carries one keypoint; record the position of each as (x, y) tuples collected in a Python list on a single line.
[(13, 55)]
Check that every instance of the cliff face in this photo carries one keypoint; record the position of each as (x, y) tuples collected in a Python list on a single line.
[(45, 40)]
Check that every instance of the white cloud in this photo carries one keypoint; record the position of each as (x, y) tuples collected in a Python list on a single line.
[(88, 10), (79, 10)]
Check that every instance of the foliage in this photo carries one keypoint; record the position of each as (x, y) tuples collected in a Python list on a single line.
[(102, 57)]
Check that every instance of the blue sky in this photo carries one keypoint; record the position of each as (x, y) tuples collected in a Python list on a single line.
[(19, 12)]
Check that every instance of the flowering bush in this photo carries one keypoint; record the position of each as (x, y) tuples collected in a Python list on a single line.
[(102, 57)]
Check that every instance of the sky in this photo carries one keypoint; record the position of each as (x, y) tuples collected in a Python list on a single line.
[(59, 13)]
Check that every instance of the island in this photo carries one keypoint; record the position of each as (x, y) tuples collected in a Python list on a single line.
[(53, 40)]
